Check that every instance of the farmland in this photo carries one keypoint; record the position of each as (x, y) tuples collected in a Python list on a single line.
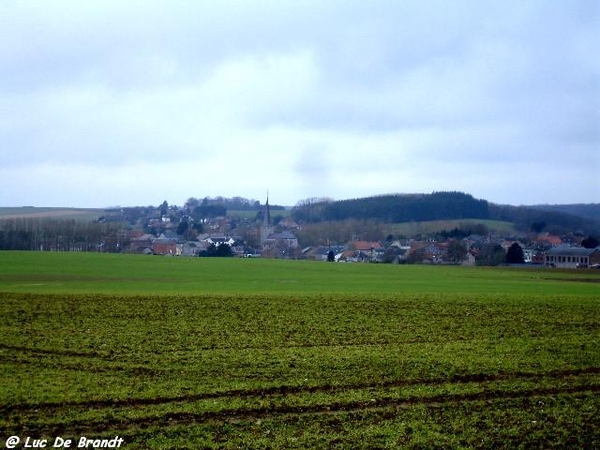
[(31, 212), (235, 353)]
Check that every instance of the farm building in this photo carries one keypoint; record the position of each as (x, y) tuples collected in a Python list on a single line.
[(165, 246), (572, 257)]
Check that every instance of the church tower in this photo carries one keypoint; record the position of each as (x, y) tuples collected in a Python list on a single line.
[(266, 229)]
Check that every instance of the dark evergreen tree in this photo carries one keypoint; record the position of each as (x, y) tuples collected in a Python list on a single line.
[(213, 251), (491, 255), (457, 251), (537, 227), (590, 242), (164, 208), (515, 255), (224, 251), (182, 227)]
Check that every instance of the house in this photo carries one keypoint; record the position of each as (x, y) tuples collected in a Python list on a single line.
[(434, 253), (533, 256), (365, 246), (218, 240), (549, 239), (469, 260), (141, 244), (284, 239), (165, 246), (361, 251), (400, 250), (572, 257), (193, 248), (319, 253), (289, 223)]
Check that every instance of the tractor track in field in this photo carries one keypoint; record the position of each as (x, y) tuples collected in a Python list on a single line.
[(285, 390), (136, 426), (48, 352), (45, 413)]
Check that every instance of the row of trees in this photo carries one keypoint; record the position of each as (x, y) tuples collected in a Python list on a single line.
[(487, 254), (328, 232), (60, 235), (232, 204)]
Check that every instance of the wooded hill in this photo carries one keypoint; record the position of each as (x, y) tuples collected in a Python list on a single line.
[(397, 208), (587, 210)]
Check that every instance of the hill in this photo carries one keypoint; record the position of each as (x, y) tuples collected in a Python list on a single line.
[(395, 208), (527, 218), (586, 210), (401, 208)]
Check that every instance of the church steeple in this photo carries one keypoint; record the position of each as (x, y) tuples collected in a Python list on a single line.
[(267, 214), (266, 229)]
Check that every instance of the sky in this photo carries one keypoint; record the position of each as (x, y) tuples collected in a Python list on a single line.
[(133, 102)]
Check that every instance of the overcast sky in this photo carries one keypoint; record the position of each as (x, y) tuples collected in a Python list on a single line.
[(124, 102)]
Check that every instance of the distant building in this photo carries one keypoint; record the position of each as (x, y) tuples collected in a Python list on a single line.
[(219, 240), (571, 257), (165, 246), (360, 251), (283, 239)]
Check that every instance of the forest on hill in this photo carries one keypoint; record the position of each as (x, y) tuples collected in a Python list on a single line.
[(587, 210), (398, 208), (394, 208)]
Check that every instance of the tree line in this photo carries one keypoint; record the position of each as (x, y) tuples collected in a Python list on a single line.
[(47, 234)]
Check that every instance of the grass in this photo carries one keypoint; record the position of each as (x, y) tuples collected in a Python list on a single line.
[(32, 212), (251, 214), (233, 353), (436, 226), (136, 274)]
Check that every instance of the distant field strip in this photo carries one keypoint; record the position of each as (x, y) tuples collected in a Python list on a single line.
[(50, 213)]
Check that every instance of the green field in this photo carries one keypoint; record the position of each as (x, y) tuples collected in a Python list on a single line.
[(436, 226), (257, 353), (31, 212)]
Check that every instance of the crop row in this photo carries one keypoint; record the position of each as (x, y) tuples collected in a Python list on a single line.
[(296, 370)]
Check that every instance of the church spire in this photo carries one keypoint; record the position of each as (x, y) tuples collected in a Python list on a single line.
[(267, 213), (266, 229)]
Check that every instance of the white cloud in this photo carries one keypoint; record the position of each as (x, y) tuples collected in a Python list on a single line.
[(145, 100)]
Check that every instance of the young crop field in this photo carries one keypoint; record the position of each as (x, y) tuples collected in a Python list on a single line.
[(436, 226), (31, 212), (240, 353)]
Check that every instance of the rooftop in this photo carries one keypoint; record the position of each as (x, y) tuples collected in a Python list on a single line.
[(571, 251)]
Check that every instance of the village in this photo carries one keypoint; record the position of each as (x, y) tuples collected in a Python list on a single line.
[(226, 236)]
